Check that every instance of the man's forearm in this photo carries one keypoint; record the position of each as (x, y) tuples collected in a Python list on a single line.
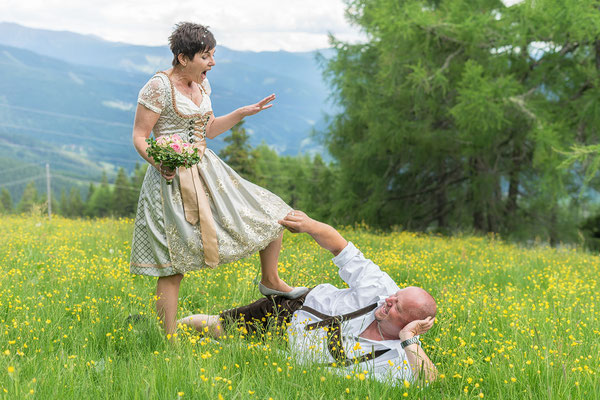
[(420, 364), (327, 237)]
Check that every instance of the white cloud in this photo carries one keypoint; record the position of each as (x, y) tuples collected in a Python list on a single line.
[(239, 24), (118, 104)]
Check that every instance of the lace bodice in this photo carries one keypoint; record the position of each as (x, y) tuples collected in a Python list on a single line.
[(178, 113)]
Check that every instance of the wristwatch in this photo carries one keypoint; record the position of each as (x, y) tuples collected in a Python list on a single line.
[(412, 340)]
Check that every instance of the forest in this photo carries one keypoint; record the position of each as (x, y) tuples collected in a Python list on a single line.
[(461, 116)]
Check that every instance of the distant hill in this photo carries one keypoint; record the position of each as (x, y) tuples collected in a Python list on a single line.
[(70, 99), (90, 50)]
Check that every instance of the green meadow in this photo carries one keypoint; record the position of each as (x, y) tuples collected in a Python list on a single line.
[(514, 322)]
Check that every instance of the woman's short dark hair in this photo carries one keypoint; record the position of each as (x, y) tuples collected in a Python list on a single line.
[(189, 38)]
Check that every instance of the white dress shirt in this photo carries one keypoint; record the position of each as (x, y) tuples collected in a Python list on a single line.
[(367, 285)]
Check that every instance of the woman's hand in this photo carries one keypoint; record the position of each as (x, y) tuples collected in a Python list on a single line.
[(218, 125), (258, 107), (166, 172)]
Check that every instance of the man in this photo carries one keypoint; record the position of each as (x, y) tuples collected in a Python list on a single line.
[(373, 325)]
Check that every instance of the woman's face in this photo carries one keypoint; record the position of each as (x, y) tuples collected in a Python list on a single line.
[(198, 66)]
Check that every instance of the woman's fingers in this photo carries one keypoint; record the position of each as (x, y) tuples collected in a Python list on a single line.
[(263, 102), (267, 99)]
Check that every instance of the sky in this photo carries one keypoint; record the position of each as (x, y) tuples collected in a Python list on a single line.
[(259, 25)]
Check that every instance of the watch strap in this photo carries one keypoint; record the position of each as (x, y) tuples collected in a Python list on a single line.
[(412, 340)]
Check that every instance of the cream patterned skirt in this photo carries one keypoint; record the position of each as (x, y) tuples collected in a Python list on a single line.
[(245, 217)]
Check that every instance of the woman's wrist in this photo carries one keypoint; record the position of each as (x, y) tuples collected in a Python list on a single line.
[(240, 114)]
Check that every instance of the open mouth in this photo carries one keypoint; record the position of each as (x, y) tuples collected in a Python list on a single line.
[(384, 309)]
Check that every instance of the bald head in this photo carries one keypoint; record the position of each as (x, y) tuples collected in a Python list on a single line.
[(416, 303), (401, 308)]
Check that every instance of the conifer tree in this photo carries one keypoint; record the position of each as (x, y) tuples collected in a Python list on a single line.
[(29, 198), (237, 154), (323, 184), (123, 196), (76, 205), (453, 112), (6, 201), (63, 207), (100, 203)]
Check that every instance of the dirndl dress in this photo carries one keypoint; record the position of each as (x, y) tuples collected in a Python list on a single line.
[(168, 232)]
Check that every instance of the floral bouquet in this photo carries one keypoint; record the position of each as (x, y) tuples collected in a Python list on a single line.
[(172, 152)]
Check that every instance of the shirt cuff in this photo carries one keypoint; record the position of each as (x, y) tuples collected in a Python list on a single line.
[(349, 252)]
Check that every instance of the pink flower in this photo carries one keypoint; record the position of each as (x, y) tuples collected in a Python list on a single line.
[(189, 149), (176, 139), (161, 141), (176, 147)]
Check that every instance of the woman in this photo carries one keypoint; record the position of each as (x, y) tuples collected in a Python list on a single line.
[(209, 215)]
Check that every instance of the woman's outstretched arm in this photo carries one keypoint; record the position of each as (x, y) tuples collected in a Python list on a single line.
[(218, 125)]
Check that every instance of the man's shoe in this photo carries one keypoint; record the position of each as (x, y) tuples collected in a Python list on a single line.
[(293, 294)]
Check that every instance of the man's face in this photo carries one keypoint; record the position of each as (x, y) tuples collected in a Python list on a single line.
[(392, 310)]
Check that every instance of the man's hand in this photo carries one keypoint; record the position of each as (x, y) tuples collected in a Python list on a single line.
[(326, 236), (417, 327), (297, 222)]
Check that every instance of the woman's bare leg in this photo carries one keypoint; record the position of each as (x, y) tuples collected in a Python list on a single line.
[(167, 293), (269, 257)]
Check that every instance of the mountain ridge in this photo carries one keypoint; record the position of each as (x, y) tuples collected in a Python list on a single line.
[(79, 115)]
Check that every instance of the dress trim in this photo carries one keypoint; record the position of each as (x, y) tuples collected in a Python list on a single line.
[(174, 103), (151, 265)]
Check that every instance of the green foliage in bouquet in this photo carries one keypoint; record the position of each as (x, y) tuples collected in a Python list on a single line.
[(172, 152), (168, 157)]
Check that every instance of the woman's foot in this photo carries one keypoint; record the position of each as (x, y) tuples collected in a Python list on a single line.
[(293, 293), (278, 284)]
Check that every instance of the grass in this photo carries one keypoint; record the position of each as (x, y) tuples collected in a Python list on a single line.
[(513, 322)]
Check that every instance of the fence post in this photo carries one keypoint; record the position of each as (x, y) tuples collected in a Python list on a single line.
[(49, 195)]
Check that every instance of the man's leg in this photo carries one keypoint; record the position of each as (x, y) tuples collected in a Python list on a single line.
[(207, 324), (253, 316)]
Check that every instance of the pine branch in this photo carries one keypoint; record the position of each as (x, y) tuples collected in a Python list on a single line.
[(519, 101), (447, 62), (567, 48), (428, 190), (586, 86)]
